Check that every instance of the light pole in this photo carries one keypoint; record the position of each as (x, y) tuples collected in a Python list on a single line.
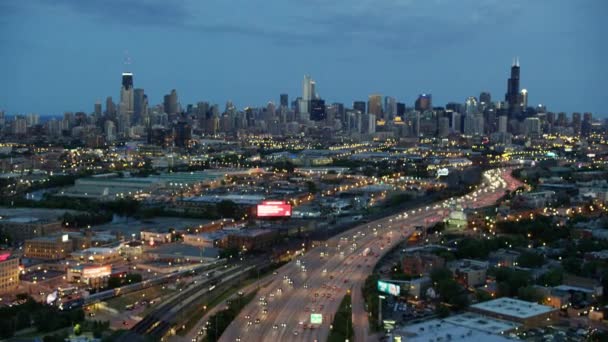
[(380, 298)]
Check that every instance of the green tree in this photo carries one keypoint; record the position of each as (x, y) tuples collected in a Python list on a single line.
[(553, 277), (530, 294), (530, 259)]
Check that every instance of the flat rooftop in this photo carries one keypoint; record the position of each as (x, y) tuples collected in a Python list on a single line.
[(31, 215), (444, 330), (156, 224), (182, 250), (513, 307)]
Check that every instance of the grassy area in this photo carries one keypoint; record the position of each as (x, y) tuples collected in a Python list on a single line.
[(223, 318), (342, 326), (149, 293)]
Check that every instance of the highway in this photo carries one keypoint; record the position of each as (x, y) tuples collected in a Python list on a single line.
[(167, 315), (317, 283)]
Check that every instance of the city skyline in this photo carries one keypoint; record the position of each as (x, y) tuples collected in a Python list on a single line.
[(451, 71)]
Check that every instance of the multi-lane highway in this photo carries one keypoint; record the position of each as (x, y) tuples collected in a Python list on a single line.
[(317, 281)]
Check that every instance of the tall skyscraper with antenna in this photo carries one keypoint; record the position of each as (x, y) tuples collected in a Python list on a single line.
[(512, 95), (127, 100)]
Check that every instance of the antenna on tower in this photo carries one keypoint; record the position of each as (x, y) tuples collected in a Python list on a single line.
[(127, 60), (517, 61)]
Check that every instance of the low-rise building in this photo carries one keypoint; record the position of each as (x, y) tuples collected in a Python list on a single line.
[(470, 273), (463, 327), (155, 237), (211, 239), (9, 272), (420, 263), (22, 228), (96, 276), (98, 255), (252, 239), (526, 313), (54, 247)]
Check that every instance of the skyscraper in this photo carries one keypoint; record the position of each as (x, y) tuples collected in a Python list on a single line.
[(512, 95), (424, 102), (523, 99), (97, 109), (138, 105), (390, 108), (284, 100), (374, 105), (471, 106), (360, 106), (308, 93), (126, 92), (110, 107), (170, 103), (317, 110), (485, 97), (400, 109)]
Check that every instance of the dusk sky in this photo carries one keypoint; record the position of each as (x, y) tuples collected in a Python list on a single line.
[(64, 55)]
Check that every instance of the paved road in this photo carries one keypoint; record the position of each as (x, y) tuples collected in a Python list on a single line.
[(283, 310)]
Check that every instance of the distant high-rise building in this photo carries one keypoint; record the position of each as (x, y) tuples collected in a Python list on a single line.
[(284, 100), (551, 118), (523, 99), (32, 119), (503, 121), (390, 107), (170, 103), (374, 105), (317, 110), (138, 105), (576, 123), (308, 93), (126, 92), (485, 97), (471, 106), (562, 120), (360, 106), (110, 107), (532, 127), (110, 131), (182, 133), (340, 112), (512, 95), (424, 102), (400, 109), (443, 127), (97, 109), (20, 125), (369, 123), (587, 124)]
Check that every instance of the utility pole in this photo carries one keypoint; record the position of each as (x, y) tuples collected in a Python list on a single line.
[(380, 298)]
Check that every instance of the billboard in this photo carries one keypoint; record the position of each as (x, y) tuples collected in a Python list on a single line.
[(96, 271), (274, 209), (316, 318), (443, 172), (389, 288), (4, 256)]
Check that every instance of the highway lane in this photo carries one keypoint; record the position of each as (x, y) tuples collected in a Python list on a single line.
[(328, 279)]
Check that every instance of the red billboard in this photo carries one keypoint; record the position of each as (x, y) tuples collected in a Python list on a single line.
[(4, 256), (274, 209)]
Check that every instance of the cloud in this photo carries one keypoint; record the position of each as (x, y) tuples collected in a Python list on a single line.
[(400, 25), (136, 12)]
